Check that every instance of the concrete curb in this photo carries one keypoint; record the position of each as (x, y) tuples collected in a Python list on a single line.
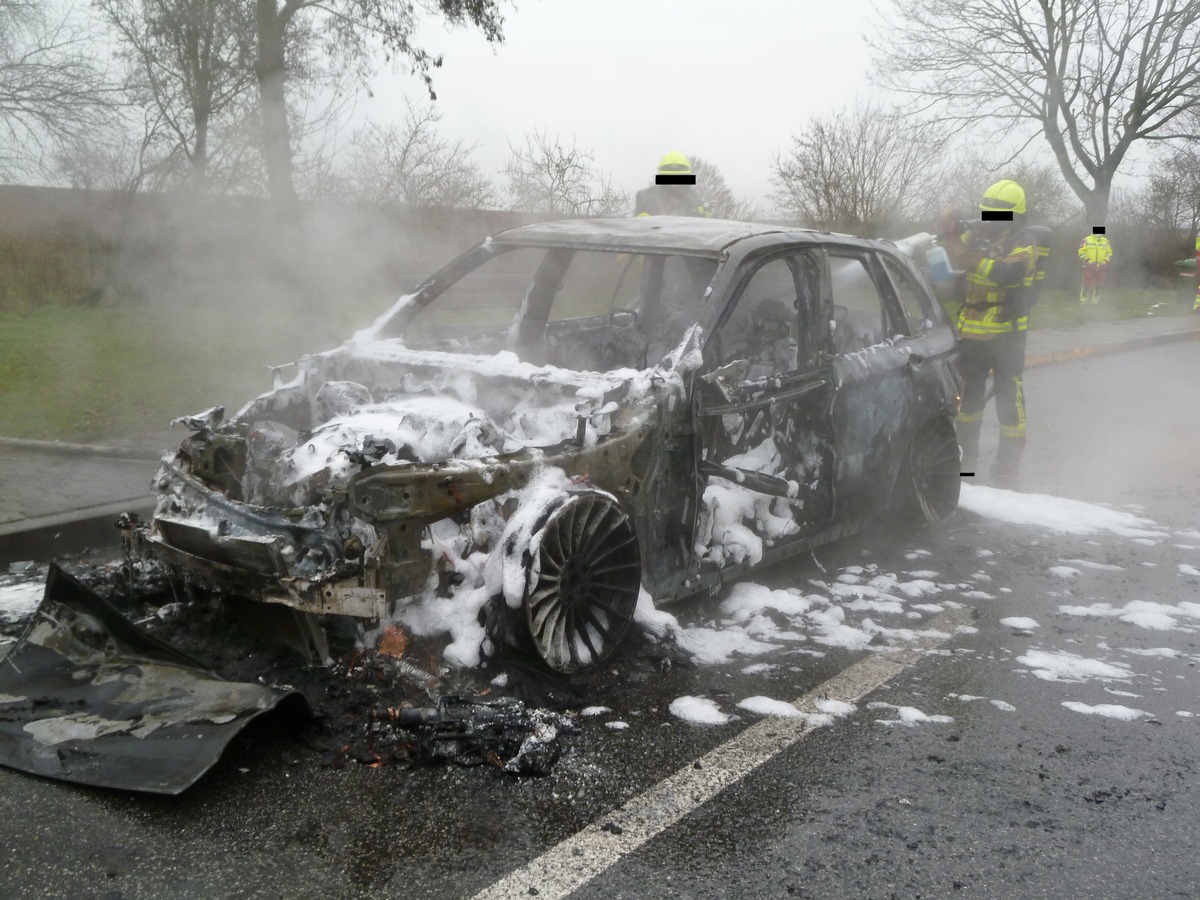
[(1043, 359), (64, 449), (63, 534)]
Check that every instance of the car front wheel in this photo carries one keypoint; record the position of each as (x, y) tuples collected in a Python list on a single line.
[(928, 484), (581, 604)]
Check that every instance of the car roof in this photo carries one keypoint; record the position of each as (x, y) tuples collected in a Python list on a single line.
[(651, 234)]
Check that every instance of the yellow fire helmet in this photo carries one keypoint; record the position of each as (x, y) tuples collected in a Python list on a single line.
[(1003, 196), (674, 163)]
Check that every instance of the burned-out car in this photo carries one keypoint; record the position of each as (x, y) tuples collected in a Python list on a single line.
[(572, 413)]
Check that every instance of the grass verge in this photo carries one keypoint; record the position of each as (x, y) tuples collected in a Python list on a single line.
[(1058, 309), (1062, 309), (77, 374)]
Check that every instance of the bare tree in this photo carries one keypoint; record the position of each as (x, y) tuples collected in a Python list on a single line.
[(349, 31), (856, 169), (129, 155), (412, 164), (1130, 208), (718, 195), (546, 176), (1093, 77), (191, 60), (960, 185), (51, 90), (1172, 201)]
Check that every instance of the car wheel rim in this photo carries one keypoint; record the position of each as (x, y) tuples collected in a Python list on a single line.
[(933, 465), (582, 604)]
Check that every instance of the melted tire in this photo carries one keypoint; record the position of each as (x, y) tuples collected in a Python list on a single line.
[(929, 480), (581, 606)]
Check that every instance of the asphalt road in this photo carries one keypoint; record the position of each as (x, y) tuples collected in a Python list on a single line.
[(1017, 796)]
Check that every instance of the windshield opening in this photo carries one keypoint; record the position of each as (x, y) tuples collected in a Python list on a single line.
[(578, 309)]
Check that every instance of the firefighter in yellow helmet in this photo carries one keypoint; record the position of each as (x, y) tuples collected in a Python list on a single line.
[(1095, 251), (999, 259), (674, 190)]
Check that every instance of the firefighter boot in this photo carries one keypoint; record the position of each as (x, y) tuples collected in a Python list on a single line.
[(1007, 467), (968, 441)]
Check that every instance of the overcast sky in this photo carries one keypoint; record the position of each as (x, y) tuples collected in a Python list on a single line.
[(632, 79)]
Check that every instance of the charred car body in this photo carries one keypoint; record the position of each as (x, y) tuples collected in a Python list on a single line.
[(571, 412)]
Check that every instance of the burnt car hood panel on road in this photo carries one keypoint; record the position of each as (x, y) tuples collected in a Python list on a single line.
[(87, 697)]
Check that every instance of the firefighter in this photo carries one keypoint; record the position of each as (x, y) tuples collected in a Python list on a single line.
[(674, 191), (1196, 305), (1095, 251), (999, 261)]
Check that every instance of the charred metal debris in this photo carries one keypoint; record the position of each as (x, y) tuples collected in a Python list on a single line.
[(87, 696)]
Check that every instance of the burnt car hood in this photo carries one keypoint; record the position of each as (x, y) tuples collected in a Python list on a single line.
[(88, 697), (378, 402)]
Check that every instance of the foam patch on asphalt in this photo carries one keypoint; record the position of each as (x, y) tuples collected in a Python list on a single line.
[(1055, 513), (1058, 665), (1108, 710)]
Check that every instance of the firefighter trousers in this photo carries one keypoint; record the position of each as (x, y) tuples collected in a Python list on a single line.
[(1002, 356), (1093, 281)]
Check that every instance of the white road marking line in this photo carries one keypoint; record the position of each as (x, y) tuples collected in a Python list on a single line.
[(581, 857)]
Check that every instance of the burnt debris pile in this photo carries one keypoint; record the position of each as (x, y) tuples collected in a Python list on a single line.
[(393, 704)]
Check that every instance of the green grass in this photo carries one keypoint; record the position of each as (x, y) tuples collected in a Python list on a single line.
[(1058, 309), (76, 374)]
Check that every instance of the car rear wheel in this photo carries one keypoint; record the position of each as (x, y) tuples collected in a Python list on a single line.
[(581, 605), (928, 484)]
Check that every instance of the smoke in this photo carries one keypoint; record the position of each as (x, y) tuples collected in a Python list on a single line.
[(163, 304)]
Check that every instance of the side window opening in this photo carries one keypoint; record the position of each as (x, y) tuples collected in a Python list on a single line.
[(914, 302), (762, 328), (858, 309)]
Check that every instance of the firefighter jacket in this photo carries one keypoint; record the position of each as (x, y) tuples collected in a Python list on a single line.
[(1000, 273), (1095, 250), (671, 200)]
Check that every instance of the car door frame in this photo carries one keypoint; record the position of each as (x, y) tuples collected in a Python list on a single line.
[(877, 397), (809, 388)]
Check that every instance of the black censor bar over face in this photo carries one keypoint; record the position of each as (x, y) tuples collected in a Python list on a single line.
[(996, 215), (674, 179), (1097, 229)]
